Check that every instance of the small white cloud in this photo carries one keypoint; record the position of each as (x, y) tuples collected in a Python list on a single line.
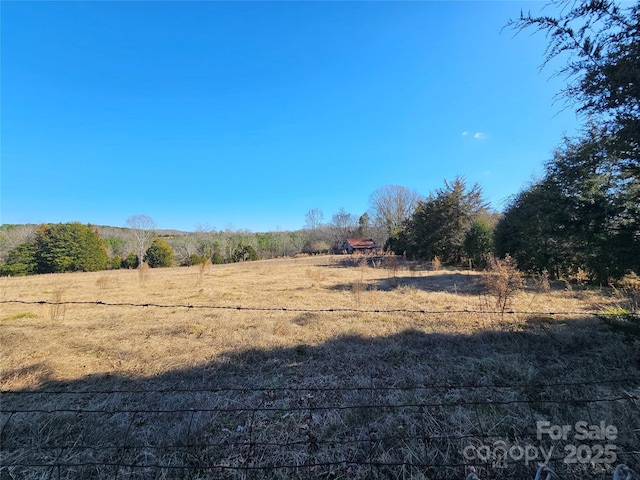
[(480, 136), (464, 134)]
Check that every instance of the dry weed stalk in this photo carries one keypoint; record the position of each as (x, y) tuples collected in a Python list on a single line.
[(393, 265), (202, 269), (436, 264), (57, 309), (358, 286)]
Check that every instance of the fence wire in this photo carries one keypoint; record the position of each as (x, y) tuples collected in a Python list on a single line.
[(318, 310)]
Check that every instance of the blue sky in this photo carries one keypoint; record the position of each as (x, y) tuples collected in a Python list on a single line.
[(249, 114)]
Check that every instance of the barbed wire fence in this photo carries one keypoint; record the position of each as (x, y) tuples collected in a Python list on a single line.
[(190, 306), (439, 431)]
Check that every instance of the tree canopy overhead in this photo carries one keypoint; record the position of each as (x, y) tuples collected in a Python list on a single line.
[(602, 41)]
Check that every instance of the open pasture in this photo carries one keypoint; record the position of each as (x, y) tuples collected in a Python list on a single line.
[(316, 367)]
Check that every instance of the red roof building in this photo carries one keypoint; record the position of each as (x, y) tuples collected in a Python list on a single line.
[(362, 245)]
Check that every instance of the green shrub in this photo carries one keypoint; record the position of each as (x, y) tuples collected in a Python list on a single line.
[(15, 270), (217, 258), (116, 262), (131, 261), (159, 254), (193, 259), (244, 253)]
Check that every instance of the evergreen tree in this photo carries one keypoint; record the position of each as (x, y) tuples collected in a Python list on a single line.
[(530, 231), (69, 247), (439, 224), (592, 218), (478, 242), (585, 214), (20, 261), (132, 261), (159, 254)]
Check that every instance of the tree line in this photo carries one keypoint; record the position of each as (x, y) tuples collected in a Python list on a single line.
[(72, 247)]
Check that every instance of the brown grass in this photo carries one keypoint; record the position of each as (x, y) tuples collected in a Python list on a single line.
[(316, 363)]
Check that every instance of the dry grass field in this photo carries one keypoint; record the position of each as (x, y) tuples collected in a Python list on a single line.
[(317, 367)]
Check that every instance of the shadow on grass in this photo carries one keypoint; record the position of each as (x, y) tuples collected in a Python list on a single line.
[(448, 282), (408, 405), (388, 262)]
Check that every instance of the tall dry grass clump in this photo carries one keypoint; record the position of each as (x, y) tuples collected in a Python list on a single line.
[(393, 266), (503, 281), (316, 276), (57, 309), (358, 285), (201, 270), (143, 272), (102, 282)]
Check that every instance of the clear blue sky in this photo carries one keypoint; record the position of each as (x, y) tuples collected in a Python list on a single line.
[(250, 114)]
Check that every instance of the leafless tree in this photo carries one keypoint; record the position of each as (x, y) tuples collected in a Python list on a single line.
[(343, 225), (391, 205), (183, 247), (313, 219), (142, 233), (207, 240), (13, 235)]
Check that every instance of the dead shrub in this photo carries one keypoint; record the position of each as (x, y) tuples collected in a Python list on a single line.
[(502, 281), (393, 265), (581, 277), (358, 286), (102, 282), (629, 288), (541, 282)]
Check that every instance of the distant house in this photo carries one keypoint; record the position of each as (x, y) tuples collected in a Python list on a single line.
[(361, 245)]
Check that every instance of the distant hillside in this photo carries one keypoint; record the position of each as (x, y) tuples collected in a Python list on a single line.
[(104, 230)]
